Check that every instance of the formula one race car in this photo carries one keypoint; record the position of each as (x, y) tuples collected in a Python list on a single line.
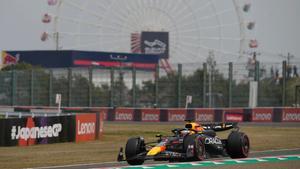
[(194, 142)]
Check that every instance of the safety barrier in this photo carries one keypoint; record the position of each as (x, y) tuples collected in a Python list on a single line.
[(204, 115), (261, 114), (27, 131)]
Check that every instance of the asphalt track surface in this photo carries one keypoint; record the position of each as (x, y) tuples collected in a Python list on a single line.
[(257, 154)]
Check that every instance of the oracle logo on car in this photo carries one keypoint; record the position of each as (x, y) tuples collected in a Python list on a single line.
[(85, 127), (204, 117), (176, 116), (290, 116), (151, 116), (124, 115)]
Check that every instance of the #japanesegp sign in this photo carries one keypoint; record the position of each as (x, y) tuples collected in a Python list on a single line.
[(156, 43)]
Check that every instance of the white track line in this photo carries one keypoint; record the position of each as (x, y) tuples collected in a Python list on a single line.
[(73, 165), (113, 162), (266, 151)]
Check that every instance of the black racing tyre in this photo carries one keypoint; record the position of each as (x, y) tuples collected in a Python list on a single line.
[(134, 146), (199, 147), (238, 145)]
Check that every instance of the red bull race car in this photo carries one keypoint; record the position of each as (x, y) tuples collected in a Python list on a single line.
[(191, 143)]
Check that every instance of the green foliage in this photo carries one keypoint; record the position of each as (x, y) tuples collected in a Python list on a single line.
[(20, 66), (291, 90), (270, 93), (31, 85)]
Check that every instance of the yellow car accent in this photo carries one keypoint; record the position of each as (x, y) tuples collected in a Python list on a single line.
[(156, 150)]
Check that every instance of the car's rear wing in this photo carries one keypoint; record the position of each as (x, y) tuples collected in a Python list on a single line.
[(220, 126)]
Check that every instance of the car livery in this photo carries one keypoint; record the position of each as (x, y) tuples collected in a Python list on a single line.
[(193, 142)]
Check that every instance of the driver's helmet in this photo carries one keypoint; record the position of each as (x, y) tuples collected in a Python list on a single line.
[(194, 126)]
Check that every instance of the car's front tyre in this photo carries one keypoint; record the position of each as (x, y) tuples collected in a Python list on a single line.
[(198, 147), (134, 147)]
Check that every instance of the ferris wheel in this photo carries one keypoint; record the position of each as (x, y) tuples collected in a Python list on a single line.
[(195, 27)]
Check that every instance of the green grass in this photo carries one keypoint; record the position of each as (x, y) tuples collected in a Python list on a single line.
[(116, 134)]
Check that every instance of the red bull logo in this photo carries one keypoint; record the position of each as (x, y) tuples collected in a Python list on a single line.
[(8, 59)]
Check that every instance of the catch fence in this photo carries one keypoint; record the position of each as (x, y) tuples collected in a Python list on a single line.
[(210, 85)]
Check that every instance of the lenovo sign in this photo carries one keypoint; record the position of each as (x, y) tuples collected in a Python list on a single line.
[(124, 115), (262, 115), (291, 115), (204, 115), (85, 127), (150, 115), (176, 115)]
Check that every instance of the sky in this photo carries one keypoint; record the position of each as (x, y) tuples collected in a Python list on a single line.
[(277, 26)]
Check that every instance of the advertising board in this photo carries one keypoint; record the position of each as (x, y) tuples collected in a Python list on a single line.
[(290, 115), (85, 127), (150, 115), (156, 43), (176, 115), (204, 115), (39, 130), (233, 115), (262, 115), (122, 114)]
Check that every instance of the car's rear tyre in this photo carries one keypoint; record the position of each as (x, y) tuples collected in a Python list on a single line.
[(238, 145), (134, 146), (197, 143)]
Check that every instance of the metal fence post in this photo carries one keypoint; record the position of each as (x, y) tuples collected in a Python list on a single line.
[(31, 87), (120, 87), (230, 73), (179, 80), (204, 83), (156, 85), (112, 86), (256, 78), (90, 86), (50, 87), (70, 87), (13, 86), (283, 83), (133, 87)]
